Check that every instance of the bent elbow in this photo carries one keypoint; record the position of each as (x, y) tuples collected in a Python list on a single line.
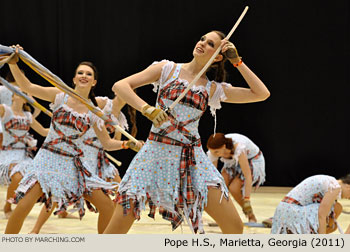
[(117, 87), (265, 95)]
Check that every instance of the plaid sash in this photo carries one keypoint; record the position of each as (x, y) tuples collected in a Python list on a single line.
[(101, 156), (250, 160), (109, 125), (316, 198), (186, 195), (63, 117), (290, 200), (16, 124)]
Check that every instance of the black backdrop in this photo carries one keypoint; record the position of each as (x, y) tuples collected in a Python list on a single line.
[(299, 48)]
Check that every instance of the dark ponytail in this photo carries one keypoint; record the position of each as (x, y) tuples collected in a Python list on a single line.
[(219, 67), (92, 96), (132, 116), (26, 107)]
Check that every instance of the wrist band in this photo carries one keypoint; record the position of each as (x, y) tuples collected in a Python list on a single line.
[(238, 64), (246, 198), (124, 146)]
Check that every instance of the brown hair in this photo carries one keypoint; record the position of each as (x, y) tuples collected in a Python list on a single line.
[(219, 67), (26, 107), (132, 116), (345, 179), (217, 140), (92, 96)]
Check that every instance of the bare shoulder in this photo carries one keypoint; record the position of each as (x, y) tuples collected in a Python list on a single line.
[(101, 102)]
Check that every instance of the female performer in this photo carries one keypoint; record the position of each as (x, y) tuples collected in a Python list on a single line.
[(18, 145), (311, 207), (94, 158), (171, 171), (244, 166), (58, 173)]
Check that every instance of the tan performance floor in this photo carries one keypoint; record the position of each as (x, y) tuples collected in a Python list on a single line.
[(264, 202)]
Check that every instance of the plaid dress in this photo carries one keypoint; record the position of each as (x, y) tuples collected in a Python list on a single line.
[(17, 145), (255, 158), (171, 170), (59, 165), (94, 158), (297, 213)]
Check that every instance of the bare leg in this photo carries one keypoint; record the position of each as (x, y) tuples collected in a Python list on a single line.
[(120, 224), (15, 179), (42, 218), (235, 189), (117, 178), (104, 206), (226, 177), (224, 213), (348, 230), (23, 208)]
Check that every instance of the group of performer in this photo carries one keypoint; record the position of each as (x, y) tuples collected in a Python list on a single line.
[(170, 171)]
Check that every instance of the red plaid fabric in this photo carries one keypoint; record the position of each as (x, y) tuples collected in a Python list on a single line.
[(64, 117), (186, 195), (317, 198), (193, 99), (101, 156), (109, 125), (290, 200), (16, 124), (124, 201), (187, 160), (250, 160)]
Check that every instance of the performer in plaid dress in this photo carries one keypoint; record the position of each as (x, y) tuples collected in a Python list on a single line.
[(311, 207), (17, 148), (94, 158), (244, 166), (172, 171), (6, 98), (58, 173)]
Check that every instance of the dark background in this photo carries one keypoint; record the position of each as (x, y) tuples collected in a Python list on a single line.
[(300, 49)]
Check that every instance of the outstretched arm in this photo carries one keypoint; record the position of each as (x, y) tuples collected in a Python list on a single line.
[(111, 144), (44, 93)]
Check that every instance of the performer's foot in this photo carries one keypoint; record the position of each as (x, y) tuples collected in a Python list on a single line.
[(268, 222), (252, 218), (7, 211), (66, 215)]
